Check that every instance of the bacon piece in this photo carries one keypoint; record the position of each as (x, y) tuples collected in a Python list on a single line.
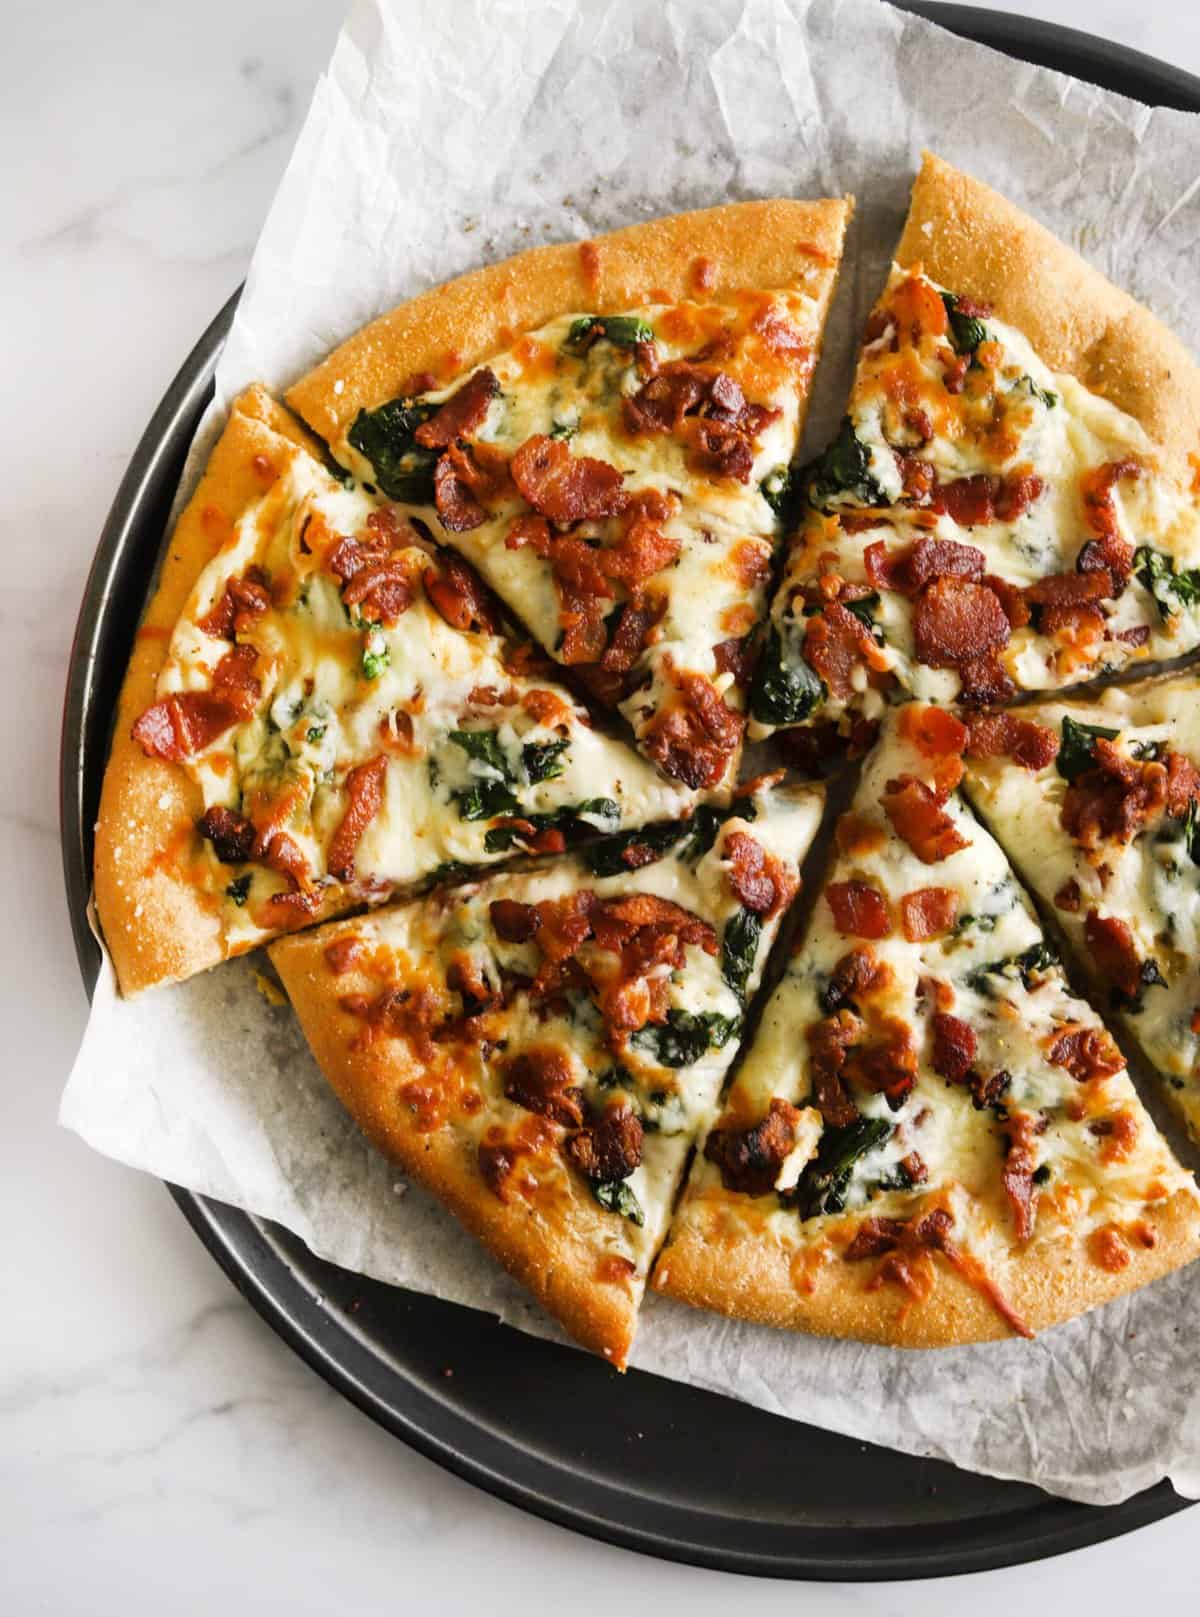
[(1086, 1053), (610, 1148), (736, 656), (720, 449), (462, 412), (1032, 745), (929, 912), (1096, 487), (243, 600), (231, 834), (750, 1159), (954, 1047), (886, 1065), (835, 643), (1183, 784), (693, 739), (661, 404), (566, 487), (539, 1079), (760, 881), (828, 1041), (857, 976), (497, 1161), (1110, 945), (453, 494), (934, 731), (918, 818), (1114, 799), (1068, 896), (1020, 1161), (985, 682), (909, 571), (1012, 600), (364, 788), (1071, 589), (968, 501), (512, 921), (1017, 492), (459, 595), (643, 551), (957, 623), (381, 590), (859, 909), (185, 723)]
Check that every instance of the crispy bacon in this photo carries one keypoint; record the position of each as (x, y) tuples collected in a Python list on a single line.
[(1183, 784), (381, 590), (859, 909), (694, 738), (956, 623), (995, 735), (707, 409), (1096, 487), (909, 571), (459, 595), (929, 912), (918, 818), (462, 412), (985, 682), (1022, 1129), (231, 834), (856, 976), (243, 600), (540, 1079), (1111, 948), (610, 1148), (1114, 799), (566, 487), (886, 1065), (1071, 589), (186, 722), (661, 404), (1086, 1053), (828, 1041), (835, 643), (1012, 600), (628, 638), (982, 498), (954, 1047), (760, 881), (720, 449), (1017, 492), (750, 1159), (454, 494), (364, 788), (736, 656), (512, 921)]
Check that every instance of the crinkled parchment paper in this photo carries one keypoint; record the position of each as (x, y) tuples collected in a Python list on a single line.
[(447, 133)]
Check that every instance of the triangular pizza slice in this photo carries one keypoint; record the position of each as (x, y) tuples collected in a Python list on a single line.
[(1011, 503), (931, 1140), (606, 432), (541, 1049), (1098, 803), (324, 707)]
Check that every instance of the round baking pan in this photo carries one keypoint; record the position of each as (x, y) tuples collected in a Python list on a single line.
[(638, 1461)]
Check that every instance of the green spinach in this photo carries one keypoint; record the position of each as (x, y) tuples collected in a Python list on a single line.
[(685, 1037), (543, 760), (822, 1186), (622, 330), (739, 948), (1077, 752), (1169, 588), (844, 468), (786, 689), (968, 331), (386, 438), (616, 1195)]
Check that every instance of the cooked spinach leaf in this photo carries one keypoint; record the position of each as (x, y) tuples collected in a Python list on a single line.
[(685, 1037), (543, 760), (1028, 966), (968, 331), (739, 946), (484, 747), (781, 489), (385, 437), (622, 330), (616, 1195), (1077, 752), (375, 656), (1026, 384), (1168, 587), (573, 820), (607, 858), (785, 691), (863, 609), (239, 889), (822, 1186), (485, 801), (844, 468)]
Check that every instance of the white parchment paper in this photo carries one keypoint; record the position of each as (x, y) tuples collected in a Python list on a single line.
[(447, 133)]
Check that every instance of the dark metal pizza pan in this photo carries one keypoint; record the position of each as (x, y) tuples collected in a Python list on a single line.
[(638, 1461)]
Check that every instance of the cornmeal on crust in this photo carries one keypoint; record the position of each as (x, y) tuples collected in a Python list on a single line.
[(930, 1141), (606, 431), (1098, 802), (541, 1049)]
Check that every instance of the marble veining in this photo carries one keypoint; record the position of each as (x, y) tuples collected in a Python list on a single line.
[(159, 1447)]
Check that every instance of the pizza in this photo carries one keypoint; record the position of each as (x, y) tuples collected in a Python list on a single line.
[(541, 1049), (1100, 803), (324, 708), (610, 442), (1012, 502), (931, 1140), (494, 589)]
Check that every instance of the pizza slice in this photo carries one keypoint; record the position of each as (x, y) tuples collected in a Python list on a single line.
[(324, 707), (930, 1141), (539, 1050), (1099, 805), (606, 432), (1012, 501)]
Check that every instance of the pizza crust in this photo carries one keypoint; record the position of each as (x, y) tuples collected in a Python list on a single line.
[(157, 925), (554, 1257), (976, 243), (750, 1277), (707, 254)]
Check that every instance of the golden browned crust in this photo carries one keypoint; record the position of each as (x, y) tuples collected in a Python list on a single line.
[(752, 1276), (158, 925), (745, 245), (974, 241), (553, 1251)]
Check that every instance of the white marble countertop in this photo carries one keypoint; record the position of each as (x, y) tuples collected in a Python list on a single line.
[(159, 1447)]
